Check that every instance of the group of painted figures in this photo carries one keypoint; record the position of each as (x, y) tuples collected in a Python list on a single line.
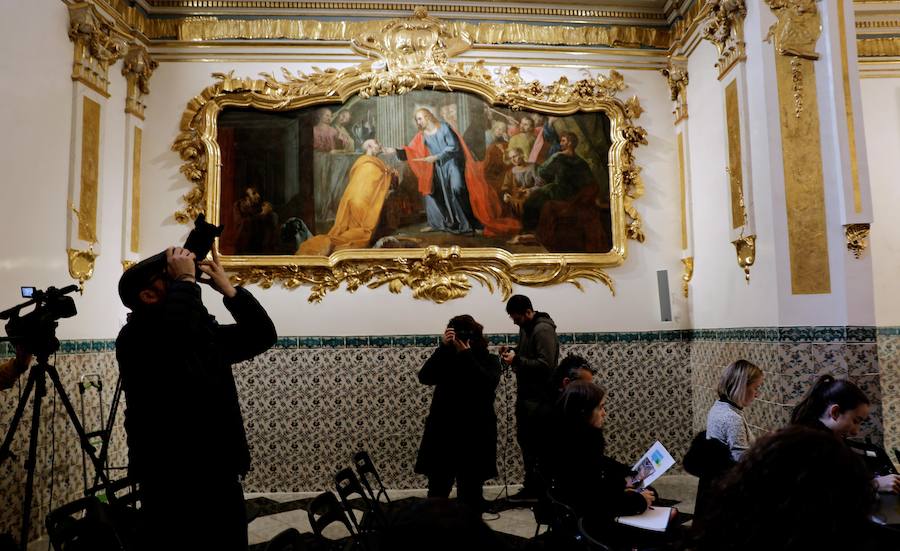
[(526, 180)]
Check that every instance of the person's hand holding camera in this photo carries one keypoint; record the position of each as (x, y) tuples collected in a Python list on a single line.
[(448, 336), (460, 344), (217, 279), (180, 264)]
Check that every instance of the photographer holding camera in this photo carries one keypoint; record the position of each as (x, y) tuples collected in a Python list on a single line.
[(186, 436), (460, 438)]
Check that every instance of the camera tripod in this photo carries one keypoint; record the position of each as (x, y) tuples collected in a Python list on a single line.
[(37, 383)]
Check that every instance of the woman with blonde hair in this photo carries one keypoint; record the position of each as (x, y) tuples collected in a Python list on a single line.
[(737, 389)]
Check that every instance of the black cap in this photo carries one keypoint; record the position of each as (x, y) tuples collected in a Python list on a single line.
[(138, 277)]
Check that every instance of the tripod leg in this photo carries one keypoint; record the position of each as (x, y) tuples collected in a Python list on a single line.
[(110, 424), (31, 463), (73, 417), (14, 424)]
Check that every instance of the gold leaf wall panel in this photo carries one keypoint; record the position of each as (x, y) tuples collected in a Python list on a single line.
[(803, 180), (90, 161), (735, 172), (136, 190), (683, 191)]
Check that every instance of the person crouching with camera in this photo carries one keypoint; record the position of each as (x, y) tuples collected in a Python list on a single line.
[(186, 442), (460, 438)]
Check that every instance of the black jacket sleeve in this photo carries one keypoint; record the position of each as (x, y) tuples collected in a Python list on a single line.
[(252, 334)]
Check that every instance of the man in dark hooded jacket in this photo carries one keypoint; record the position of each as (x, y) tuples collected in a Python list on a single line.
[(533, 360), (186, 442)]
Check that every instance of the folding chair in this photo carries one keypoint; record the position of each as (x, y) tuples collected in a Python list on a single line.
[(83, 525), (566, 529), (325, 510), (366, 470), (348, 485)]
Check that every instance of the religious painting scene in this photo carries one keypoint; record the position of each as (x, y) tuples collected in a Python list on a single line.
[(425, 168)]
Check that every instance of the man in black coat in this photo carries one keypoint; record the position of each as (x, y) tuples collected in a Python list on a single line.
[(533, 360), (186, 442)]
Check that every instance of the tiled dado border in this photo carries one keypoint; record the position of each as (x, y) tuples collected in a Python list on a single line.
[(851, 334)]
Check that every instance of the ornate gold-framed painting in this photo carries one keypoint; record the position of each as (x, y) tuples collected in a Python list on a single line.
[(413, 171)]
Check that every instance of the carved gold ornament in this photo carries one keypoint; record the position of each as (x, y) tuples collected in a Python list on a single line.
[(725, 29), (137, 67), (677, 79), (857, 238), (404, 55), (97, 46), (688, 273), (745, 247), (797, 29), (441, 274), (81, 264)]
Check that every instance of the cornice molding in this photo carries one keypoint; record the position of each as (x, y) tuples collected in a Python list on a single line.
[(674, 28)]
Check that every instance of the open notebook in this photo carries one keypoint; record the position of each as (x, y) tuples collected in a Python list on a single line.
[(654, 518)]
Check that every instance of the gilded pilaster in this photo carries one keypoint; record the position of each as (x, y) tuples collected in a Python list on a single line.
[(725, 29), (794, 37), (137, 67), (97, 46)]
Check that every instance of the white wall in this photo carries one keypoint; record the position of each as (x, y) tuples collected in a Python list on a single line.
[(373, 312), (720, 296), (36, 116), (881, 113)]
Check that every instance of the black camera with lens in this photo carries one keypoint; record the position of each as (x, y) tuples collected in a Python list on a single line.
[(36, 330)]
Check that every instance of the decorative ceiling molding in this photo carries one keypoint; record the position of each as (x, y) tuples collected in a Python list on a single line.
[(669, 25)]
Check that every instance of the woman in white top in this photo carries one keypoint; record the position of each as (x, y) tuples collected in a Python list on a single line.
[(737, 389)]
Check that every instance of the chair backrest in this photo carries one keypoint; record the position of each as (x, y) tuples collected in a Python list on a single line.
[(348, 485), (84, 524), (324, 510), (707, 458), (366, 470)]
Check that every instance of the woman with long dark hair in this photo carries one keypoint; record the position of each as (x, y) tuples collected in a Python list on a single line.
[(785, 495), (597, 487), (839, 407), (460, 438)]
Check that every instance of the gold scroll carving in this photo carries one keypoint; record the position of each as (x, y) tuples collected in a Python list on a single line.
[(688, 263), (97, 46), (857, 238), (677, 79), (794, 37), (404, 55), (725, 29), (137, 67), (745, 247)]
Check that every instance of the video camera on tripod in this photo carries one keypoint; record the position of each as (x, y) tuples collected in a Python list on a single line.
[(36, 330)]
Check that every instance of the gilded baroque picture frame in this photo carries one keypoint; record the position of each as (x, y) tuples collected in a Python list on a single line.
[(408, 56)]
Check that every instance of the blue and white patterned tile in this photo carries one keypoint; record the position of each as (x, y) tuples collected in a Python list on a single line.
[(862, 359), (829, 359), (861, 334)]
